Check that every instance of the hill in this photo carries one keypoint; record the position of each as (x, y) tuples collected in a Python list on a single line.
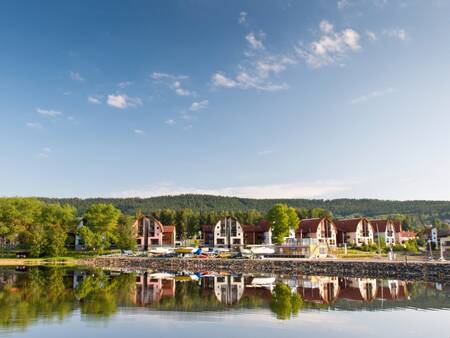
[(339, 207)]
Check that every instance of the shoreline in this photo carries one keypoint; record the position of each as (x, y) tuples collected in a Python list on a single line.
[(427, 271)]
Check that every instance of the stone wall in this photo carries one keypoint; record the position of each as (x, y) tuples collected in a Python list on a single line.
[(428, 271)]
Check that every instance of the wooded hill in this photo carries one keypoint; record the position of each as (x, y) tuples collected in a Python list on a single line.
[(339, 207)]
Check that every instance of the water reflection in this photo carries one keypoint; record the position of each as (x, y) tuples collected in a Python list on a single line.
[(54, 293)]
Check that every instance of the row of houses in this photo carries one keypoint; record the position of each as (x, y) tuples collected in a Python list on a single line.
[(358, 231), (229, 232)]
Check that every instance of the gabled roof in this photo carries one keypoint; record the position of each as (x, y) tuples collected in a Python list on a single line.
[(397, 226), (348, 225), (262, 226), (380, 224), (309, 225), (207, 228), (409, 234)]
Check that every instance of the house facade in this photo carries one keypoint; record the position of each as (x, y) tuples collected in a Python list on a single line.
[(152, 233), (322, 229), (357, 231), (385, 230), (229, 232)]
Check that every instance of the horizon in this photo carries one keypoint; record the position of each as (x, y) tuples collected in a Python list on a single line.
[(254, 99)]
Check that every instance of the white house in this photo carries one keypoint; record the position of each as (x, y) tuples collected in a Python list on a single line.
[(356, 231), (385, 230)]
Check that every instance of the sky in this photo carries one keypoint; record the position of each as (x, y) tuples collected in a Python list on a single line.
[(264, 99)]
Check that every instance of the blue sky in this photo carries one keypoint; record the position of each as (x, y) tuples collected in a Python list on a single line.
[(318, 99)]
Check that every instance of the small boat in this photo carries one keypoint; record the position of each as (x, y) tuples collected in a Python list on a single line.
[(262, 250), (185, 250), (161, 251)]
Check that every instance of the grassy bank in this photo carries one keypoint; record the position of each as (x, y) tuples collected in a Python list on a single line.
[(67, 261)]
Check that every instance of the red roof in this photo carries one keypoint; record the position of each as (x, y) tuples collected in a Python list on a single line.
[(309, 225), (348, 225), (169, 228), (262, 226), (397, 226), (379, 224), (207, 228), (408, 234)]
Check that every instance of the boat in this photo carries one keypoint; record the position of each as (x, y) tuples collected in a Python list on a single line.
[(262, 250), (161, 275), (262, 281), (161, 251), (185, 250)]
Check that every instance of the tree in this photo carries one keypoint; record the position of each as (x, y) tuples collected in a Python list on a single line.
[(293, 219), (278, 217), (284, 303), (126, 233), (101, 219)]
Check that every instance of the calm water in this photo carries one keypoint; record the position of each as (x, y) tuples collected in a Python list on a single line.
[(61, 302)]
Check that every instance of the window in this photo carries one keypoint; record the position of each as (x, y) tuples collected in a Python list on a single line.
[(220, 241), (139, 241), (236, 241)]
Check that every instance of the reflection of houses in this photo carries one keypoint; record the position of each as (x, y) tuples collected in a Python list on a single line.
[(322, 229), (358, 289), (229, 232), (151, 232), (150, 290), (391, 290), (319, 289), (384, 230), (227, 289), (356, 231)]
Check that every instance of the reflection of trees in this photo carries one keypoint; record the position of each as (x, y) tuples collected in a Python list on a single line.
[(39, 293), (100, 295), (285, 304)]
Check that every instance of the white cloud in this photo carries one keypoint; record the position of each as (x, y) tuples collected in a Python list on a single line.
[(96, 99), (179, 90), (122, 101), (371, 35), (221, 80), (343, 3), (265, 152), (161, 76), (396, 33), (331, 47), (174, 82), (242, 17), (372, 95), (170, 122), (195, 106), (44, 153), (316, 189), (76, 76), (326, 27), (139, 132), (253, 41), (48, 113), (124, 84), (33, 125)]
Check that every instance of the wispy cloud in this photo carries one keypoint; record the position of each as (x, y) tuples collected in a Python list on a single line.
[(396, 33), (123, 101), (139, 132), (174, 82), (44, 153), (242, 17), (48, 113), (343, 4), (124, 84), (259, 69), (253, 41), (331, 47), (265, 152), (95, 99), (76, 76), (316, 189), (34, 125), (195, 106), (371, 35), (170, 122), (372, 95)]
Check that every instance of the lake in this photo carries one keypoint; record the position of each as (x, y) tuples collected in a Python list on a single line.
[(70, 302)]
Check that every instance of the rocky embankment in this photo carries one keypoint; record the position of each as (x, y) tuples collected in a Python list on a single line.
[(428, 271)]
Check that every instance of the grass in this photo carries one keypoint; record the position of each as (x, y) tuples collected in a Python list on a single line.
[(38, 261)]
